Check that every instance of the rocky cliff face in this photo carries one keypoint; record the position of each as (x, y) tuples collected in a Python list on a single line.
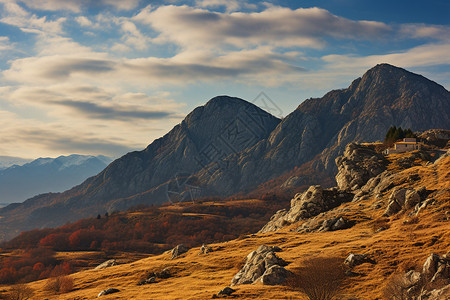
[(320, 128)]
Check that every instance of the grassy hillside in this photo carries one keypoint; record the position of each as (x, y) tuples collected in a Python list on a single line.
[(405, 243)]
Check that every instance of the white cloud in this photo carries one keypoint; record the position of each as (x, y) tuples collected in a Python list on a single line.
[(79, 5), (437, 32), (132, 36), (84, 21), (230, 5), (15, 15), (425, 55), (5, 44), (277, 26)]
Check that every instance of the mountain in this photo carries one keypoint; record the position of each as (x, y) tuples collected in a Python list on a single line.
[(206, 135), (320, 128), (229, 146), (44, 175), (9, 161)]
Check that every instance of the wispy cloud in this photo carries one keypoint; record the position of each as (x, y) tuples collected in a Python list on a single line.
[(15, 15), (277, 26), (79, 5)]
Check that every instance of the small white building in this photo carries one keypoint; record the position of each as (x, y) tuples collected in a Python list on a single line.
[(407, 144)]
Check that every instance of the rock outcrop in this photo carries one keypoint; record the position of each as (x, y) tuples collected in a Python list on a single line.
[(108, 292), (433, 283), (402, 198), (308, 204), (357, 165), (262, 265), (106, 264), (178, 250), (354, 260)]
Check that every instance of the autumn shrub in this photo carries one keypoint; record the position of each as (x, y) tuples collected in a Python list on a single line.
[(60, 284), (20, 292), (319, 278)]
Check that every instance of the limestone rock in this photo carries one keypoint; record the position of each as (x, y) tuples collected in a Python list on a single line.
[(333, 224), (106, 264), (257, 264), (107, 292), (204, 249), (401, 198), (308, 204), (178, 250), (437, 267), (149, 280), (357, 259), (274, 275), (357, 165)]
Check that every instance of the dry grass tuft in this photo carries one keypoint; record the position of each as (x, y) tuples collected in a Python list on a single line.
[(319, 278)]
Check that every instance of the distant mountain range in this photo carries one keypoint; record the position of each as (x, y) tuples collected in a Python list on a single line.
[(229, 145), (9, 161), (43, 175)]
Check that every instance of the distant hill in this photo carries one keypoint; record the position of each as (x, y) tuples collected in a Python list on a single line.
[(43, 175), (230, 146)]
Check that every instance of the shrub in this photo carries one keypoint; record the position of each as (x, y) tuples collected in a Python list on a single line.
[(59, 284), (319, 278), (20, 292)]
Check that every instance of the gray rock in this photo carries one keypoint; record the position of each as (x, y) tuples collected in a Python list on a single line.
[(357, 259), (357, 166), (436, 267), (401, 198), (107, 292), (256, 265), (178, 250), (226, 291), (106, 264), (274, 275), (204, 249), (149, 280), (308, 204), (333, 224), (437, 294)]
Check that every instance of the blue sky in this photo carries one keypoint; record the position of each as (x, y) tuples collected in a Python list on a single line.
[(110, 76)]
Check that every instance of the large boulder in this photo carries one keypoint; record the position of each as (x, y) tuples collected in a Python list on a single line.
[(402, 198), (107, 292), (178, 250), (357, 165), (437, 268), (262, 265), (106, 264), (354, 260)]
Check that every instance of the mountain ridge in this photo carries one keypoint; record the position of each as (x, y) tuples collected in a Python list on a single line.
[(46, 174)]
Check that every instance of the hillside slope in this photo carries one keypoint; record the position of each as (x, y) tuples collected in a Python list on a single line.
[(395, 244)]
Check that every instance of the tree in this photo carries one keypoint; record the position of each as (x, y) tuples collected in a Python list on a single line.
[(393, 134)]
